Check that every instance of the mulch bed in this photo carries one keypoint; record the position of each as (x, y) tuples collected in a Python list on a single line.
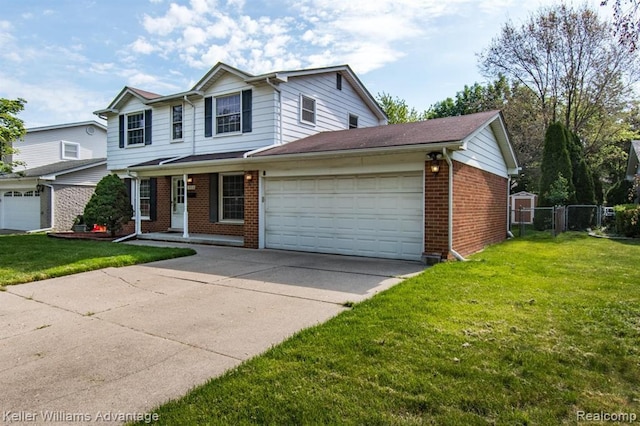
[(95, 236)]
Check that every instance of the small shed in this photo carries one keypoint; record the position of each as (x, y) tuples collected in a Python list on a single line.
[(522, 205)]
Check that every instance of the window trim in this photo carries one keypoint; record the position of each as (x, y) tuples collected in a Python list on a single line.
[(214, 117), (349, 117), (302, 109), (221, 218), (127, 130), (142, 217), (173, 123), (64, 144)]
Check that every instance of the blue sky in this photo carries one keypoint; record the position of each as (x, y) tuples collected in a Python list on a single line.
[(68, 58)]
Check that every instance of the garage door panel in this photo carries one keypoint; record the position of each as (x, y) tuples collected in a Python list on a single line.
[(20, 210), (366, 215)]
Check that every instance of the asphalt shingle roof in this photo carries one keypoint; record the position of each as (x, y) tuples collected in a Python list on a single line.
[(55, 168), (448, 129)]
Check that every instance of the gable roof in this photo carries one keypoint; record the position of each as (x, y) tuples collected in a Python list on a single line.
[(52, 170), (221, 68), (67, 125), (430, 135), (439, 130), (634, 159)]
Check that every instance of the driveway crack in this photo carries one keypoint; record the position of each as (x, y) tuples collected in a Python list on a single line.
[(104, 271)]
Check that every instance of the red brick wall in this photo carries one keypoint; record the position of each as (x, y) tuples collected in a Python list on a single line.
[(251, 216), (198, 207), (436, 210), (479, 209)]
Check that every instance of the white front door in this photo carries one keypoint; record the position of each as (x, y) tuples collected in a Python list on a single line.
[(177, 202)]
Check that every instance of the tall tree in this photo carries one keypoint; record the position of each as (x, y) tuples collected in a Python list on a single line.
[(626, 21), (569, 59), (11, 130), (556, 166), (397, 109)]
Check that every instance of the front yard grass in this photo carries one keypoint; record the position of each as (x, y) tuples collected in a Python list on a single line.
[(25, 258), (532, 331)]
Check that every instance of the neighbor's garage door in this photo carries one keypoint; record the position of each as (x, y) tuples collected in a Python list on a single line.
[(365, 215), (21, 210)]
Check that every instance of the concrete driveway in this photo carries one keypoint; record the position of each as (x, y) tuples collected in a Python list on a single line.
[(119, 341)]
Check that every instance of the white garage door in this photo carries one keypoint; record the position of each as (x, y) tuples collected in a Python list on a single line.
[(365, 215), (21, 210)]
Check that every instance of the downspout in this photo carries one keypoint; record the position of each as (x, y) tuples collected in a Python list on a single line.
[(455, 254), (193, 128), (279, 141), (509, 233)]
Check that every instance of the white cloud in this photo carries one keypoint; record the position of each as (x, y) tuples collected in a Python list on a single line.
[(52, 101), (141, 45)]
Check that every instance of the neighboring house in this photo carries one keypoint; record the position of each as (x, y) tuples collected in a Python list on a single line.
[(62, 165), (633, 166), (304, 160)]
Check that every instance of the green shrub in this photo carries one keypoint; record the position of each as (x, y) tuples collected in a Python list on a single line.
[(628, 220), (109, 205)]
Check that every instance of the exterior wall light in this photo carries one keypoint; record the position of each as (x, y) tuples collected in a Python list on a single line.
[(248, 177), (435, 163)]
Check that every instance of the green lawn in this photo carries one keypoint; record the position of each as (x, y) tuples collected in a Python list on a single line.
[(532, 331), (25, 258)]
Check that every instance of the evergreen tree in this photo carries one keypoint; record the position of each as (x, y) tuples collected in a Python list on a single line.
[(109, 205), (555, 162)]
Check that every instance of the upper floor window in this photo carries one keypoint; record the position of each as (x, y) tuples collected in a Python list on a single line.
[(70, 151), (353, 121), (176, 122), (228, 114), (135, 129), (307, 109)]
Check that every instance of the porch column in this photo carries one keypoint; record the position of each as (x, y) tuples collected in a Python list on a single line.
[(185, 217), (136, 197)]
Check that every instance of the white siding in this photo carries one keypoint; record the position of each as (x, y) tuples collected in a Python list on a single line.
[(43, 147), (333, 106), (263, 131), (483, 152), (87, 177)]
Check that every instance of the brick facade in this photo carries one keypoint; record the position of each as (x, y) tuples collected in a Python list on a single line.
[(198, 206), (479, 210)]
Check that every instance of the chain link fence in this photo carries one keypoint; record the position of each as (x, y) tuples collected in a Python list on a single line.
[(557, 219)]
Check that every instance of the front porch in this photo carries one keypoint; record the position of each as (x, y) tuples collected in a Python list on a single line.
[(210, 239)]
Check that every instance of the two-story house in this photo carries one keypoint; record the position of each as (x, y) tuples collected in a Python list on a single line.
[(57, 170), (299, 160)]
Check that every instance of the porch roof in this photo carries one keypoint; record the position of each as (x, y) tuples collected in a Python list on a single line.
[(192, 158)]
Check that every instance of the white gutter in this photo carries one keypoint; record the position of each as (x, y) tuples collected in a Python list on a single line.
[(455, 254), (193, 129)]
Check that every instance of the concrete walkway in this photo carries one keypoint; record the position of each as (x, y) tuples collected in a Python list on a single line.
[(111, 343)]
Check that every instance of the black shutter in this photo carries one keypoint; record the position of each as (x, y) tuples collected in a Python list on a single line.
[(147, 127), (153, 199), (213, 197), (208, 117), (127, 184), (246, 110), (339, 81), (121, 142)]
